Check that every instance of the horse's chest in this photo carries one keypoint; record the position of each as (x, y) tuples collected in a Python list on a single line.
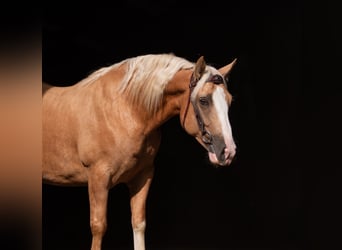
[(143, 153), (139, 155)]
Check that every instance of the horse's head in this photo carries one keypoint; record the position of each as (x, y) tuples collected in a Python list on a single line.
[(205, 113)]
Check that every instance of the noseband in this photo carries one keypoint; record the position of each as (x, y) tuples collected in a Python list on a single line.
[(206, 136)]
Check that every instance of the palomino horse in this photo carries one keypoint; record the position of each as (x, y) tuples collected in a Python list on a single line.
[(105, 130)]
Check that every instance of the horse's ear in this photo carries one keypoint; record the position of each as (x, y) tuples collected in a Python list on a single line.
[(225, 70), (199, 68)]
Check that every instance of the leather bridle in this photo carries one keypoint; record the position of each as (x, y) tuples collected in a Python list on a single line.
[(206, 136)]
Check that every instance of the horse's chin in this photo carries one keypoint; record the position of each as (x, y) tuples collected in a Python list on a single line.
[(213, 159)]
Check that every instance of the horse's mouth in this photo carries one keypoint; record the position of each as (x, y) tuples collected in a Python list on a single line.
[(223, 162), (220, 156)]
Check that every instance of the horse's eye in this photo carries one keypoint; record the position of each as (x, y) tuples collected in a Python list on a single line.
[(204, 101)]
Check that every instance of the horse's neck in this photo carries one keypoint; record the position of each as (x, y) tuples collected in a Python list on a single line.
[(89, 100), (175, 97)]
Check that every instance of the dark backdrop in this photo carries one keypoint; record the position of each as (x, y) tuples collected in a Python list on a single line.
[(283, 189)]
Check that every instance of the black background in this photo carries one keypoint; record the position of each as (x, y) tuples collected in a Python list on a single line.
[(283, 189)]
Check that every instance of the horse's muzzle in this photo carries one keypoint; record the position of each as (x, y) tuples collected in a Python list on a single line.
[(221, 154)]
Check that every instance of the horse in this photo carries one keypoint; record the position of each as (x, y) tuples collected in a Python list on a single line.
[(106, 129)]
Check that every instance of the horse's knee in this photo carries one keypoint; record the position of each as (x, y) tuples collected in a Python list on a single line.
[(98, 226)]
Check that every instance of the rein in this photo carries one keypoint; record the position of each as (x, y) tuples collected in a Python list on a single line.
[(206, 136)]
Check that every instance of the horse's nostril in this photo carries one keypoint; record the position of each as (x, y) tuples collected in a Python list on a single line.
[(223, 151), (223, 154)]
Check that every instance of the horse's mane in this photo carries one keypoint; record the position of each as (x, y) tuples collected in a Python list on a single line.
[(146, 77)]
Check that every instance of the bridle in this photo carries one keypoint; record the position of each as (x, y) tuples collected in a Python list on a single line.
[(206, 136)]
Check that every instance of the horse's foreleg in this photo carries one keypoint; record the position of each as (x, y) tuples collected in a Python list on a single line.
[(138, 190), (98, 196)]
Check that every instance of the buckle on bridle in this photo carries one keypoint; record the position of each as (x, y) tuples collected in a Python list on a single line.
[(207, 137)]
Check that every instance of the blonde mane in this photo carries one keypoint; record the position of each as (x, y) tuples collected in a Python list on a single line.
[(147, 76)]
